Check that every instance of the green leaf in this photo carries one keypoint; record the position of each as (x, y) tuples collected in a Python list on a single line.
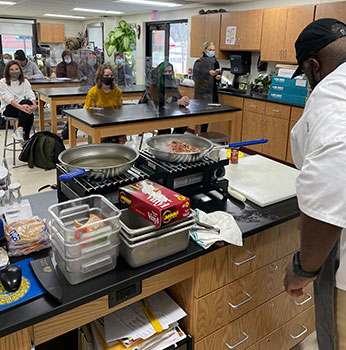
[(118, 34), (110, 50), (126, 43)]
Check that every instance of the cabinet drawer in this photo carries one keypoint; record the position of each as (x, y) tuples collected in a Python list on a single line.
[(262, 249), (277, 110), (290, 334), (225, 265), (218, 308), (256, 324), (230, 100), (254, 105), (296, 113)]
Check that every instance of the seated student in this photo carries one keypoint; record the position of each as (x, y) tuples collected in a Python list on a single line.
[(30, 69), (17, 100), (123, 71), (68, 68), (105, 94), (164, 89), (87, 70), (6, 57)]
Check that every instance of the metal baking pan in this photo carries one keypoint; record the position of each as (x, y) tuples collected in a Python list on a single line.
[(135, 225), (135, 239), (155, 248)]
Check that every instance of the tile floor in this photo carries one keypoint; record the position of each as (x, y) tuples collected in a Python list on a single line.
[(33, 179)]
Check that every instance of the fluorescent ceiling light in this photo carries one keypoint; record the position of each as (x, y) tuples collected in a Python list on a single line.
[(63, 16), (149, 2), (98, 11), (9, 3)]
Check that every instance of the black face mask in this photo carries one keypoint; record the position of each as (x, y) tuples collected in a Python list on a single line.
[(108, 80)]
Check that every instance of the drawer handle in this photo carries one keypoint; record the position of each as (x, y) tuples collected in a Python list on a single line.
[(276, 110), (309, 297), (242, 303), (253, 106), (253, 256), (241, 342), (300, 334)]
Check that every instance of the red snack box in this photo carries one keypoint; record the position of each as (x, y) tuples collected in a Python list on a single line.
[(155, 203)]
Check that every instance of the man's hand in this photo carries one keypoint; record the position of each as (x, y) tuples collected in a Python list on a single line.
[(294, 284), (218, 77), (213, 73)]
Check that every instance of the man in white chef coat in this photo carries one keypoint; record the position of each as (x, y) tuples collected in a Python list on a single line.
[(319, 151)]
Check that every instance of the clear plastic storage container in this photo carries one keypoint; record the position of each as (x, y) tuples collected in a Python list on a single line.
[(88, 266), (82, 219)]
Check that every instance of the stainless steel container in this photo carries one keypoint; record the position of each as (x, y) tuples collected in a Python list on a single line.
[(144, 252), (135, 225)]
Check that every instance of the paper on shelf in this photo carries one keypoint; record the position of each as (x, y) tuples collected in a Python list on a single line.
[(131, 321)]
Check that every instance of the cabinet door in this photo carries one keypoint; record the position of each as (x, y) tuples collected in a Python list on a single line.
[(250, 35), (253, 124), (273, 34), (230, 19), (212, 33), (197, 35), (297, 19), (276, 131), (331, 10), (51, 33)]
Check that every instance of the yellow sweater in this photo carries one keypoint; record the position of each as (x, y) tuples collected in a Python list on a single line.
[(98, 98)]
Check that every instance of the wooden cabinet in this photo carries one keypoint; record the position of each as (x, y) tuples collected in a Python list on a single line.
[(187, 91), (256, 324), (296, 113), (267, 120), (247, 37), (331, 10), (233, 128), (51, 33), (281, 27), (205, 28)]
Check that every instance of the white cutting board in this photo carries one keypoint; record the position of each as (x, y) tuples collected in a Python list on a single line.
[(262, 180)]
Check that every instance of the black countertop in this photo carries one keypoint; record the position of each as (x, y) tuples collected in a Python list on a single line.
[(143, 112), (56, 81), (250, 218), (82, 90)]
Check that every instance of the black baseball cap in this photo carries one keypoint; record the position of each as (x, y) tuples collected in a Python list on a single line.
[(19, 55), (315, 37)]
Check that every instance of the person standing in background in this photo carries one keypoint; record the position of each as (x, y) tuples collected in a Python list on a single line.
[(6, 57), (30, 69), (68, 68), (206, 74), (87, 71), (17, 100), (123, 71)]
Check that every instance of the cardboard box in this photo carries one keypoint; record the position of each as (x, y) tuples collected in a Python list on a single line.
[(155, 203), (276, 80)]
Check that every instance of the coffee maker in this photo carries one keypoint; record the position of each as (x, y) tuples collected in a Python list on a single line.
[(240, 66)]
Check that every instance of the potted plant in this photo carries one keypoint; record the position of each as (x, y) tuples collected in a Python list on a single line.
[(262, 84), (120, 38)]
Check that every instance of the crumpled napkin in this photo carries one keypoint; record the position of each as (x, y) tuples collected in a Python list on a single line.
[(229, 229)]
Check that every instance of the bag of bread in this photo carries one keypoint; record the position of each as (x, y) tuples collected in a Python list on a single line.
[(26, 236)]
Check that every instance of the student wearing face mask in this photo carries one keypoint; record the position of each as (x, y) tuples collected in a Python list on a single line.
[(17, 100), (68, 68), (87, 71), (164, 90), (30, 69), (5, 59), (105, 94), (206, 74), (123, 71)]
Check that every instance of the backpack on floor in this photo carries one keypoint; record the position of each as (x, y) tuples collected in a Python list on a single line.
[(42, 150)]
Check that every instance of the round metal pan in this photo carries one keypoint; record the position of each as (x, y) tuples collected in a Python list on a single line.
[(98, 160), (159, 147)]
